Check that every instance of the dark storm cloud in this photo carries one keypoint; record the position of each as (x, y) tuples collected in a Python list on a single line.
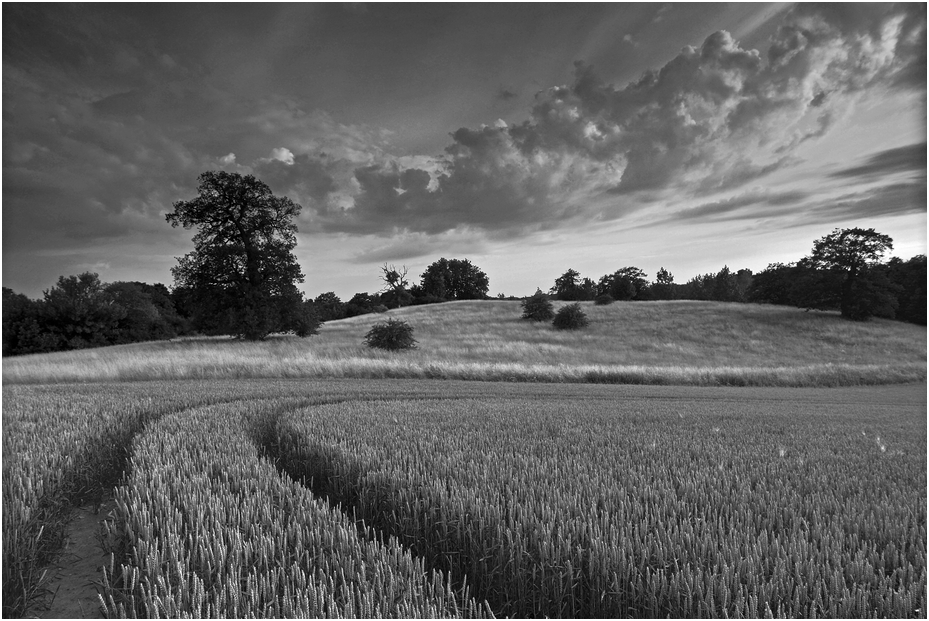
[(713, 119), (304, 176), (902, 159)]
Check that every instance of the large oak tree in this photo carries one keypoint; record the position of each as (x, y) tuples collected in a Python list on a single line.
[(455, 279), (845, 262), (241, 276)]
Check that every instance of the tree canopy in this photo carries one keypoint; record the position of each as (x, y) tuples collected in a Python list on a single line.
[(844, 261), (242, 272), (455, 279), (627, 283)]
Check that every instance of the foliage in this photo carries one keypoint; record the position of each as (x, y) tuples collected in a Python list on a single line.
[(396, 298), (896, 289), (603, 299), (242, 272), (360, 304), (455, 279), (723, 286), (773, 284), (538, 307), (24, 327), (663, 287), (627, 283), (570, 317), (852, 253), (395, 293), (329, 307), (570, 286), (909, 277), (80, 311), (394, 334), (150, 313), (420, 300), (305, 320)]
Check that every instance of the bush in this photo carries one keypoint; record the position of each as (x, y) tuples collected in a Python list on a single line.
[(427, 299), (603, 300), (538, 307), (380, 308), (392, 335), (570, 317)]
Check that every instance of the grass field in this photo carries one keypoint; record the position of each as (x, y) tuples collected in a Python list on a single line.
[(683, 342), (473, 499)]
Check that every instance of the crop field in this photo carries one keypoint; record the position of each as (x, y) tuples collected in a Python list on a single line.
[(672, 343), (411, 498)]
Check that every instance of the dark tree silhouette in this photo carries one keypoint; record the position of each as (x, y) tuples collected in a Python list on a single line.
[(394, 293), (570, 286), (847, 257), (242, 272), (627, 283), (538, 307), (455, 279)]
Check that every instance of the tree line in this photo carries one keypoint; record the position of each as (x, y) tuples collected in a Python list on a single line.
[(241, 280), (844, 272)]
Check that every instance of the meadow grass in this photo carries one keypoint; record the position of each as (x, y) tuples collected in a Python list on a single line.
[(680, 342)]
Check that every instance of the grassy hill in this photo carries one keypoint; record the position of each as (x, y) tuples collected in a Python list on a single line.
[(682, 342)]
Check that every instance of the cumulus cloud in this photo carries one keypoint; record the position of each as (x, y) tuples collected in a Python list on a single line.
[(715, 118), (282, 154)]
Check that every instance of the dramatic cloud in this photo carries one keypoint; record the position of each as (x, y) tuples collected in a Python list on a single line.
[(713, 119), (111, 112)]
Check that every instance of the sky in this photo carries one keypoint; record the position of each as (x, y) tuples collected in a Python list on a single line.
[(527, 138)]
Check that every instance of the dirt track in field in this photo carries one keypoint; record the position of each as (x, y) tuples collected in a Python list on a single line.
[(74, 578)]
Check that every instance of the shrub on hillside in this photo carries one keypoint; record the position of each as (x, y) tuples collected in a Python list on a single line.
[(380, 308), (394, 334), (538, 307), (570, 317), (603, 300)]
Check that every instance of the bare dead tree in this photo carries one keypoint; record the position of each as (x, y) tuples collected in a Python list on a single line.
[(395, 282)]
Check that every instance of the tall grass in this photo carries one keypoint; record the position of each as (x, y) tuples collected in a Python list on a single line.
[(683, 342)]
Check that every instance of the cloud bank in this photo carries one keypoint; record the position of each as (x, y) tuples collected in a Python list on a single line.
[(715, 118)]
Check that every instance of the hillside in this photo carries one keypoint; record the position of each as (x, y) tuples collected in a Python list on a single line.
[(681, 342)]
